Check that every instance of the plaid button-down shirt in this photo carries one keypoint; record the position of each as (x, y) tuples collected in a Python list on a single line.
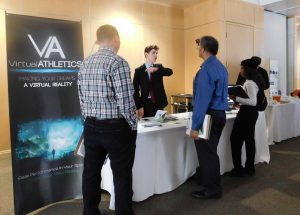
[(105, 87)]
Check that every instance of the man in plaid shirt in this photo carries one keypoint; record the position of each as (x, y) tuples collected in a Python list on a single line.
[(107, 106)]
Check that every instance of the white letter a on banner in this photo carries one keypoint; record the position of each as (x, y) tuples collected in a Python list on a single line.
[(54, 46)]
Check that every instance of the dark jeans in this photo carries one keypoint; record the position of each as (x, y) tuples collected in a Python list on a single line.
[(244, 130), (209, 163), (115, 138), (150, 108)]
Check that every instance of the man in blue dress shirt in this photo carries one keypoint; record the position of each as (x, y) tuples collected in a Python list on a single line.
[(210, 89)]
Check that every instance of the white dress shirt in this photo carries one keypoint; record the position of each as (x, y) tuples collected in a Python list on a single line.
[(251, 89)]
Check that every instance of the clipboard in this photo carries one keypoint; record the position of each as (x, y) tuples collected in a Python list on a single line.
[(237, 91)]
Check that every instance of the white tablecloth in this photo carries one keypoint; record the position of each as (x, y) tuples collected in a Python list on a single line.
[(283, 121), (165, 157)]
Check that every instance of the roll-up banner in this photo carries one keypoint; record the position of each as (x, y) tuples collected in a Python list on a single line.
[(43, 59)]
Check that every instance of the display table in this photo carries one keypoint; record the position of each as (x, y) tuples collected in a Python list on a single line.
[(283, 121), (166, 157)]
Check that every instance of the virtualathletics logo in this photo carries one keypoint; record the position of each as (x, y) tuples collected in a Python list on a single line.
[(45, 51), (51, 46)]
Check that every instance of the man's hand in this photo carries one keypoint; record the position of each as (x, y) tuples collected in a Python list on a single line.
[(152, 69), (140, 112), (194, 135), (236, 105), (232, 97)]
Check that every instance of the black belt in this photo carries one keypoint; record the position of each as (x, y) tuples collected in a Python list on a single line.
[(95, 120), (210, 111), (248, 107)]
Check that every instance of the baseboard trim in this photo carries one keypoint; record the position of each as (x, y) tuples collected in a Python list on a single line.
[(5, 152)]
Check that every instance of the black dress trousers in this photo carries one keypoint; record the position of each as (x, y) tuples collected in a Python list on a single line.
[(244, 130), (209, 163)]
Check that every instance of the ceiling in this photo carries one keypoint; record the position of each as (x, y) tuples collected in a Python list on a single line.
[(285, 7)]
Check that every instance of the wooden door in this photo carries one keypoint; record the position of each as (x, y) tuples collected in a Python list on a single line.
[(239, 46)]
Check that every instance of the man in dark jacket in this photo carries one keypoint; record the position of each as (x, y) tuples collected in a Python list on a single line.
[(261, 71), (149, 92)]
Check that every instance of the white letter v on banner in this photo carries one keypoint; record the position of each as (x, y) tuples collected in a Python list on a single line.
[(37, 48)]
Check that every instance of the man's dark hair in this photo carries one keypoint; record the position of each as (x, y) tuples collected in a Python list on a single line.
[(209, 43), (106, 32), (257, 60), (249, 63), (149, 48), (251, 73)]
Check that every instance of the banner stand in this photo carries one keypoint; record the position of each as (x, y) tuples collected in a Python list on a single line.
[(43, 60)]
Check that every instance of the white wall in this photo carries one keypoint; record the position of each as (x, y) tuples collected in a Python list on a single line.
[(292, 54), (298, 59), (275, 38)]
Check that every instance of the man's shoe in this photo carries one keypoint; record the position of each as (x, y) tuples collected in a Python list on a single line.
[(234, 173), (202, 194)]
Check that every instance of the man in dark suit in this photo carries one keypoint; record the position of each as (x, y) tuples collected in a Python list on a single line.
[(149, 92)]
